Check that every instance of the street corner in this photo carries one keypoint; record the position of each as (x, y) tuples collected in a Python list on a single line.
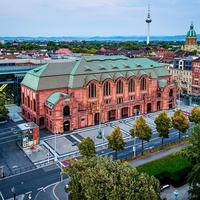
[(59, 189), (46, 192)]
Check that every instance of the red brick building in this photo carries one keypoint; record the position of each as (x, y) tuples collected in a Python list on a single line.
[(196, 76), (75, 94)]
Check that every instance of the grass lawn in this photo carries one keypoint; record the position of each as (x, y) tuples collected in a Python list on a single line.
[(170, 163)]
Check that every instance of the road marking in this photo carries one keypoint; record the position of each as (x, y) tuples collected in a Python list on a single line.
[(41, 188), (28, 192), (1, 196)]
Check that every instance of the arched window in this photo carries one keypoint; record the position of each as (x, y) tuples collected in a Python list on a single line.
[(119, 87), (23, 98), (34, 105), (41, 121), (106, 89), (92, 90), (131, 85), (66, 111), (171, 93), (28, 99), (143, 84)]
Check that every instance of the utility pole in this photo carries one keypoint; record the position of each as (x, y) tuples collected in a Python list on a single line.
[(55, 154), (134, 147), (99, 136)]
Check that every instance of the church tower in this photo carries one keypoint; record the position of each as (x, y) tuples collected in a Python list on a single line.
[(191, 39)]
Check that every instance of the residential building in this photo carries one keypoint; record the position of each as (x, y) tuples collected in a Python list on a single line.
[(182, 74), (93, 90)]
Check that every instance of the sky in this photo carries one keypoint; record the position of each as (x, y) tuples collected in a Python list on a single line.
[(34, 18)]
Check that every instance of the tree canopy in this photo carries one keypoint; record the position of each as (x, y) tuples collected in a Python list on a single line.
[(192, 152), (163, 124), (100, 178), (115, 140), (180, 121), (195, 115), (3, 109), (87, 148), (142, 130)]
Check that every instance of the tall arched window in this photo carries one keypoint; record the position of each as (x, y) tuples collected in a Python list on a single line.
[(131, 85), (106, 89), (171, 93), (119, 87), (34, 105), (143, 84), (92, 90), (28, 101), (66, 111)]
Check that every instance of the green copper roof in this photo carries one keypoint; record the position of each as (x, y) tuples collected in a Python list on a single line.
[(54, 98), (191, 32), (77, 73), (162, 83)]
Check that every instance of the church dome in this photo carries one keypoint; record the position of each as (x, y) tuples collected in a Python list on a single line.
[(191, 32)]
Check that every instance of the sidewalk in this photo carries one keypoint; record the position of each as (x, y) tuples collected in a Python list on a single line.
[(154, 156)]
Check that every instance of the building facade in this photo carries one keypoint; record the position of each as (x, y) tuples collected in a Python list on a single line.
[(97, 89), (182, 74), (194, 97)]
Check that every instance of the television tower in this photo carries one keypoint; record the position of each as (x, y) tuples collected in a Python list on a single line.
[(148, 21)]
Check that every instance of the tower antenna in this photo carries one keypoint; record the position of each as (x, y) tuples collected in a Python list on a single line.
[(148, 21)]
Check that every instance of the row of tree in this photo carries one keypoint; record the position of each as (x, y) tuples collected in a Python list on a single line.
[(99, 178), (89, 46), (144, 132)]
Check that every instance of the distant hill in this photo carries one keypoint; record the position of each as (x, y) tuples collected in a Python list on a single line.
[(101, 38)]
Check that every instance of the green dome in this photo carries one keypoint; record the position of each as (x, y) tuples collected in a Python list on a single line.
[(191, 32)]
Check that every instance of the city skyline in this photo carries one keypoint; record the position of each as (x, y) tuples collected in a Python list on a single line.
[(36, 18)]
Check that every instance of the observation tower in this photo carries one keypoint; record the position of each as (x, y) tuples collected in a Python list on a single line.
[(148, 21)]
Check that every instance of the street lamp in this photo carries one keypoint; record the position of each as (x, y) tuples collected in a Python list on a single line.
[(134, 147), (2, 171), (99, 136), (179, 91), (55, 132), (13, 191)]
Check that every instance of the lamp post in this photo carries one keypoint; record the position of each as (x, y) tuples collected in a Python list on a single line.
[(2, 171), (13, 191), (179, 92), (55, 132), (99, 136), (134, 147)]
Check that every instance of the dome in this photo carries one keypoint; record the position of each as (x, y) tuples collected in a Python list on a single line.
[(191, 32)]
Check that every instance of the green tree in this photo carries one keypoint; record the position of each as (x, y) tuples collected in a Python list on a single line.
[(142, 130), (100, 178), (195, 115), (180, 122), (87, 148), (163, 124), (116, 141), (3, 109), (192, 152)]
